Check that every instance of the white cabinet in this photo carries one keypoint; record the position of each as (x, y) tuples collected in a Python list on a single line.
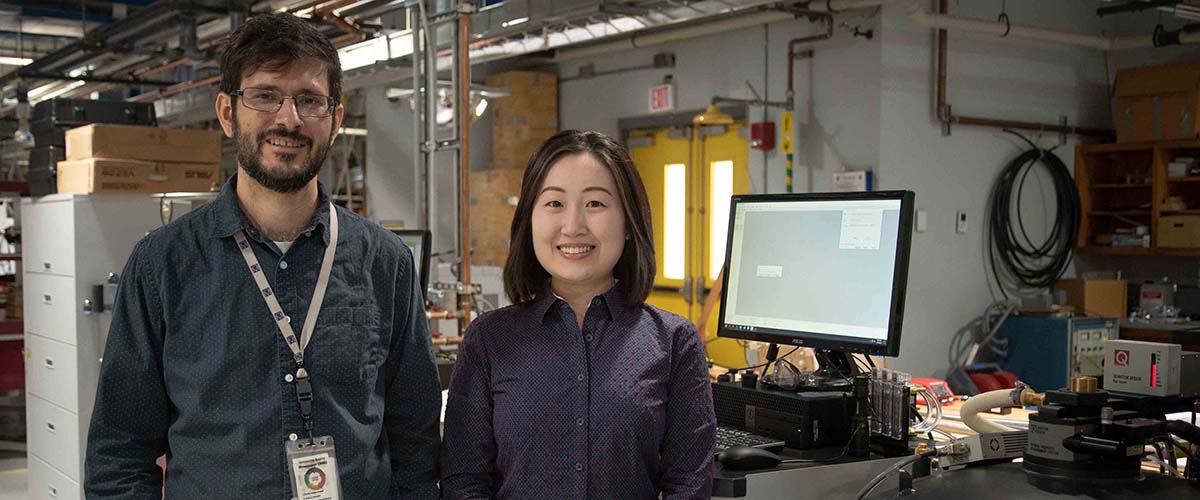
[(72, 243)]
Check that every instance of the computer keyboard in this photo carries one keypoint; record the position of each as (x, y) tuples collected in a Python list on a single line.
[(728, 437)]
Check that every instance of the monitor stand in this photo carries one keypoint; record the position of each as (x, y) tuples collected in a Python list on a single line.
[(834, 374)]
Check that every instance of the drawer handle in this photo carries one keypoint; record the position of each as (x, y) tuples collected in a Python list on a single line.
[(46, 266), (52, 490), (49, 362), (47, 298), (51, 427)]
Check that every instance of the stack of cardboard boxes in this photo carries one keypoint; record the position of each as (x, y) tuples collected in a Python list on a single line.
[(522, 121), (127, 159)]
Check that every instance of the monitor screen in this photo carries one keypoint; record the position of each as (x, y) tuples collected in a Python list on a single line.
[(418, 241), (819, 270)]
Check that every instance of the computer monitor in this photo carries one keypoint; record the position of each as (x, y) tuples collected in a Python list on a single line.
[(418, 241), (826, 271)]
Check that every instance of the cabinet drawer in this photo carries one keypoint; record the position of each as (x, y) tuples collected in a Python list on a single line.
[(52, 372), (48, 240), (54, 436), (45, 483), (52, 307)]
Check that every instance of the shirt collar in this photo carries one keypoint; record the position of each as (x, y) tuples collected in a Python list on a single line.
[(228, 217), (613, 300)]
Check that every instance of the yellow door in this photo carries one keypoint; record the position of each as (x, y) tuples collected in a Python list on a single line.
[(690, 173)]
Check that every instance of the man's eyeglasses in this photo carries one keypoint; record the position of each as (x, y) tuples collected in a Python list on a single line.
[(270, 101)]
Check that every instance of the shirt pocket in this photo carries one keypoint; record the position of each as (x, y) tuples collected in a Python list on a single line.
[(352, 346)]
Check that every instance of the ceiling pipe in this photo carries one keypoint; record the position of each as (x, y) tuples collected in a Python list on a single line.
[(1006, 29), (671, 35), (948, 118), (793, 54)]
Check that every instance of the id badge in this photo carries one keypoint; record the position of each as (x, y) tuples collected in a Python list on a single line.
[(313, 469)]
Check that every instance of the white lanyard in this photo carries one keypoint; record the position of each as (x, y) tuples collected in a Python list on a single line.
[(314, 307)]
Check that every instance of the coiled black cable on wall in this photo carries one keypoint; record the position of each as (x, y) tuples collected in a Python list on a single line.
[(1026, 263)]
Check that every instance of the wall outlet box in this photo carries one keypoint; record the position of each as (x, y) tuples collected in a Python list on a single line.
[(960, 222)]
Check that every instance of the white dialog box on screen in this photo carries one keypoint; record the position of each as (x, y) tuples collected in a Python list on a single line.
[(861, 229), (769, 272)]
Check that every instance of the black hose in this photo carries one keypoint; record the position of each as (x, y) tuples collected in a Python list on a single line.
[(1032, 265)]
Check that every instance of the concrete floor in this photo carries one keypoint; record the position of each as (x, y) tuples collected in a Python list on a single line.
[(13, 474)]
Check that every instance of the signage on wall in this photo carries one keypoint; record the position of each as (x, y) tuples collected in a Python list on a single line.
[(662, 97)]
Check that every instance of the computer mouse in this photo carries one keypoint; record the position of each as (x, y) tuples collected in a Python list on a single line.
[(748, 458)]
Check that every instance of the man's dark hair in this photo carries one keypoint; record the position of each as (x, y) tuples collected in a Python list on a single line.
[(275, 41), (524, 276)]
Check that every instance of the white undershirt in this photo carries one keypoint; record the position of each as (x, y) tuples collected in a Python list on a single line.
[(284, 245)]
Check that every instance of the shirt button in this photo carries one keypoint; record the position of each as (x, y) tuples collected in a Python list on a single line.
[(579, 421), (289, 377), (293, 437), (588, 337), (307, 234), (283, 264), (578, 466), (580, 377)]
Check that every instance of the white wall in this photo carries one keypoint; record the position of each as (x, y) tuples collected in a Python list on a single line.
[(868, 104), (948, 280)]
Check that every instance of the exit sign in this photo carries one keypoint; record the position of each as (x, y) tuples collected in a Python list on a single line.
[(662, 97)]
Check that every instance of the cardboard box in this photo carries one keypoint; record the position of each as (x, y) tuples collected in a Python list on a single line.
[(1179, 231), (1156, 103), (1102, 298), (105, 176), (143, 143)]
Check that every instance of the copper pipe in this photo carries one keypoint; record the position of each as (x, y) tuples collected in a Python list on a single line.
[(174, 89), (353, 33), (463, 54), (944, 114), (791, 63), (447, 340)]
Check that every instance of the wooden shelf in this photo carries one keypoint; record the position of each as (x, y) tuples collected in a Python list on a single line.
[(1190, 178), (1122, 186), (11, 256), (10, 337), (1098, 250), (1192, 211), (1120, 213), (10, 327), (1181, 252)]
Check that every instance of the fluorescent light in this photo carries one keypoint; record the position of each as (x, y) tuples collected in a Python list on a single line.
[(481, 107), (66, 88), (352, 131), (675, 221), (513, 22), (15, 61), (722, 190)]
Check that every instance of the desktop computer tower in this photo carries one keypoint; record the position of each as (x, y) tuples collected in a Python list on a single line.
[(803, 420)]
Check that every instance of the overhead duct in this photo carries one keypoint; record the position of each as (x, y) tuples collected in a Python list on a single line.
[(1006, 29)]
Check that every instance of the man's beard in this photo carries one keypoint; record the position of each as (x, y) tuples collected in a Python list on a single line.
[(281, 179)]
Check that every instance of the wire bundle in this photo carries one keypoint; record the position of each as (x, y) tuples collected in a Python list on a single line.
[(1030, 264)]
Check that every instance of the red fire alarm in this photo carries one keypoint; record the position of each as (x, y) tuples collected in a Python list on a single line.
[(762, 135)]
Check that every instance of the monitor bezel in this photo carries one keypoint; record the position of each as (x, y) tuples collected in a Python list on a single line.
[(818, 340), (426, 237)]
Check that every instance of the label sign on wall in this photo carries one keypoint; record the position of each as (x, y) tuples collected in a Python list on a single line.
[(662, 97)]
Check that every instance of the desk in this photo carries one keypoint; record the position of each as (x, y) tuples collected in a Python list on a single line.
[(799, 481), (1008, 481)]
